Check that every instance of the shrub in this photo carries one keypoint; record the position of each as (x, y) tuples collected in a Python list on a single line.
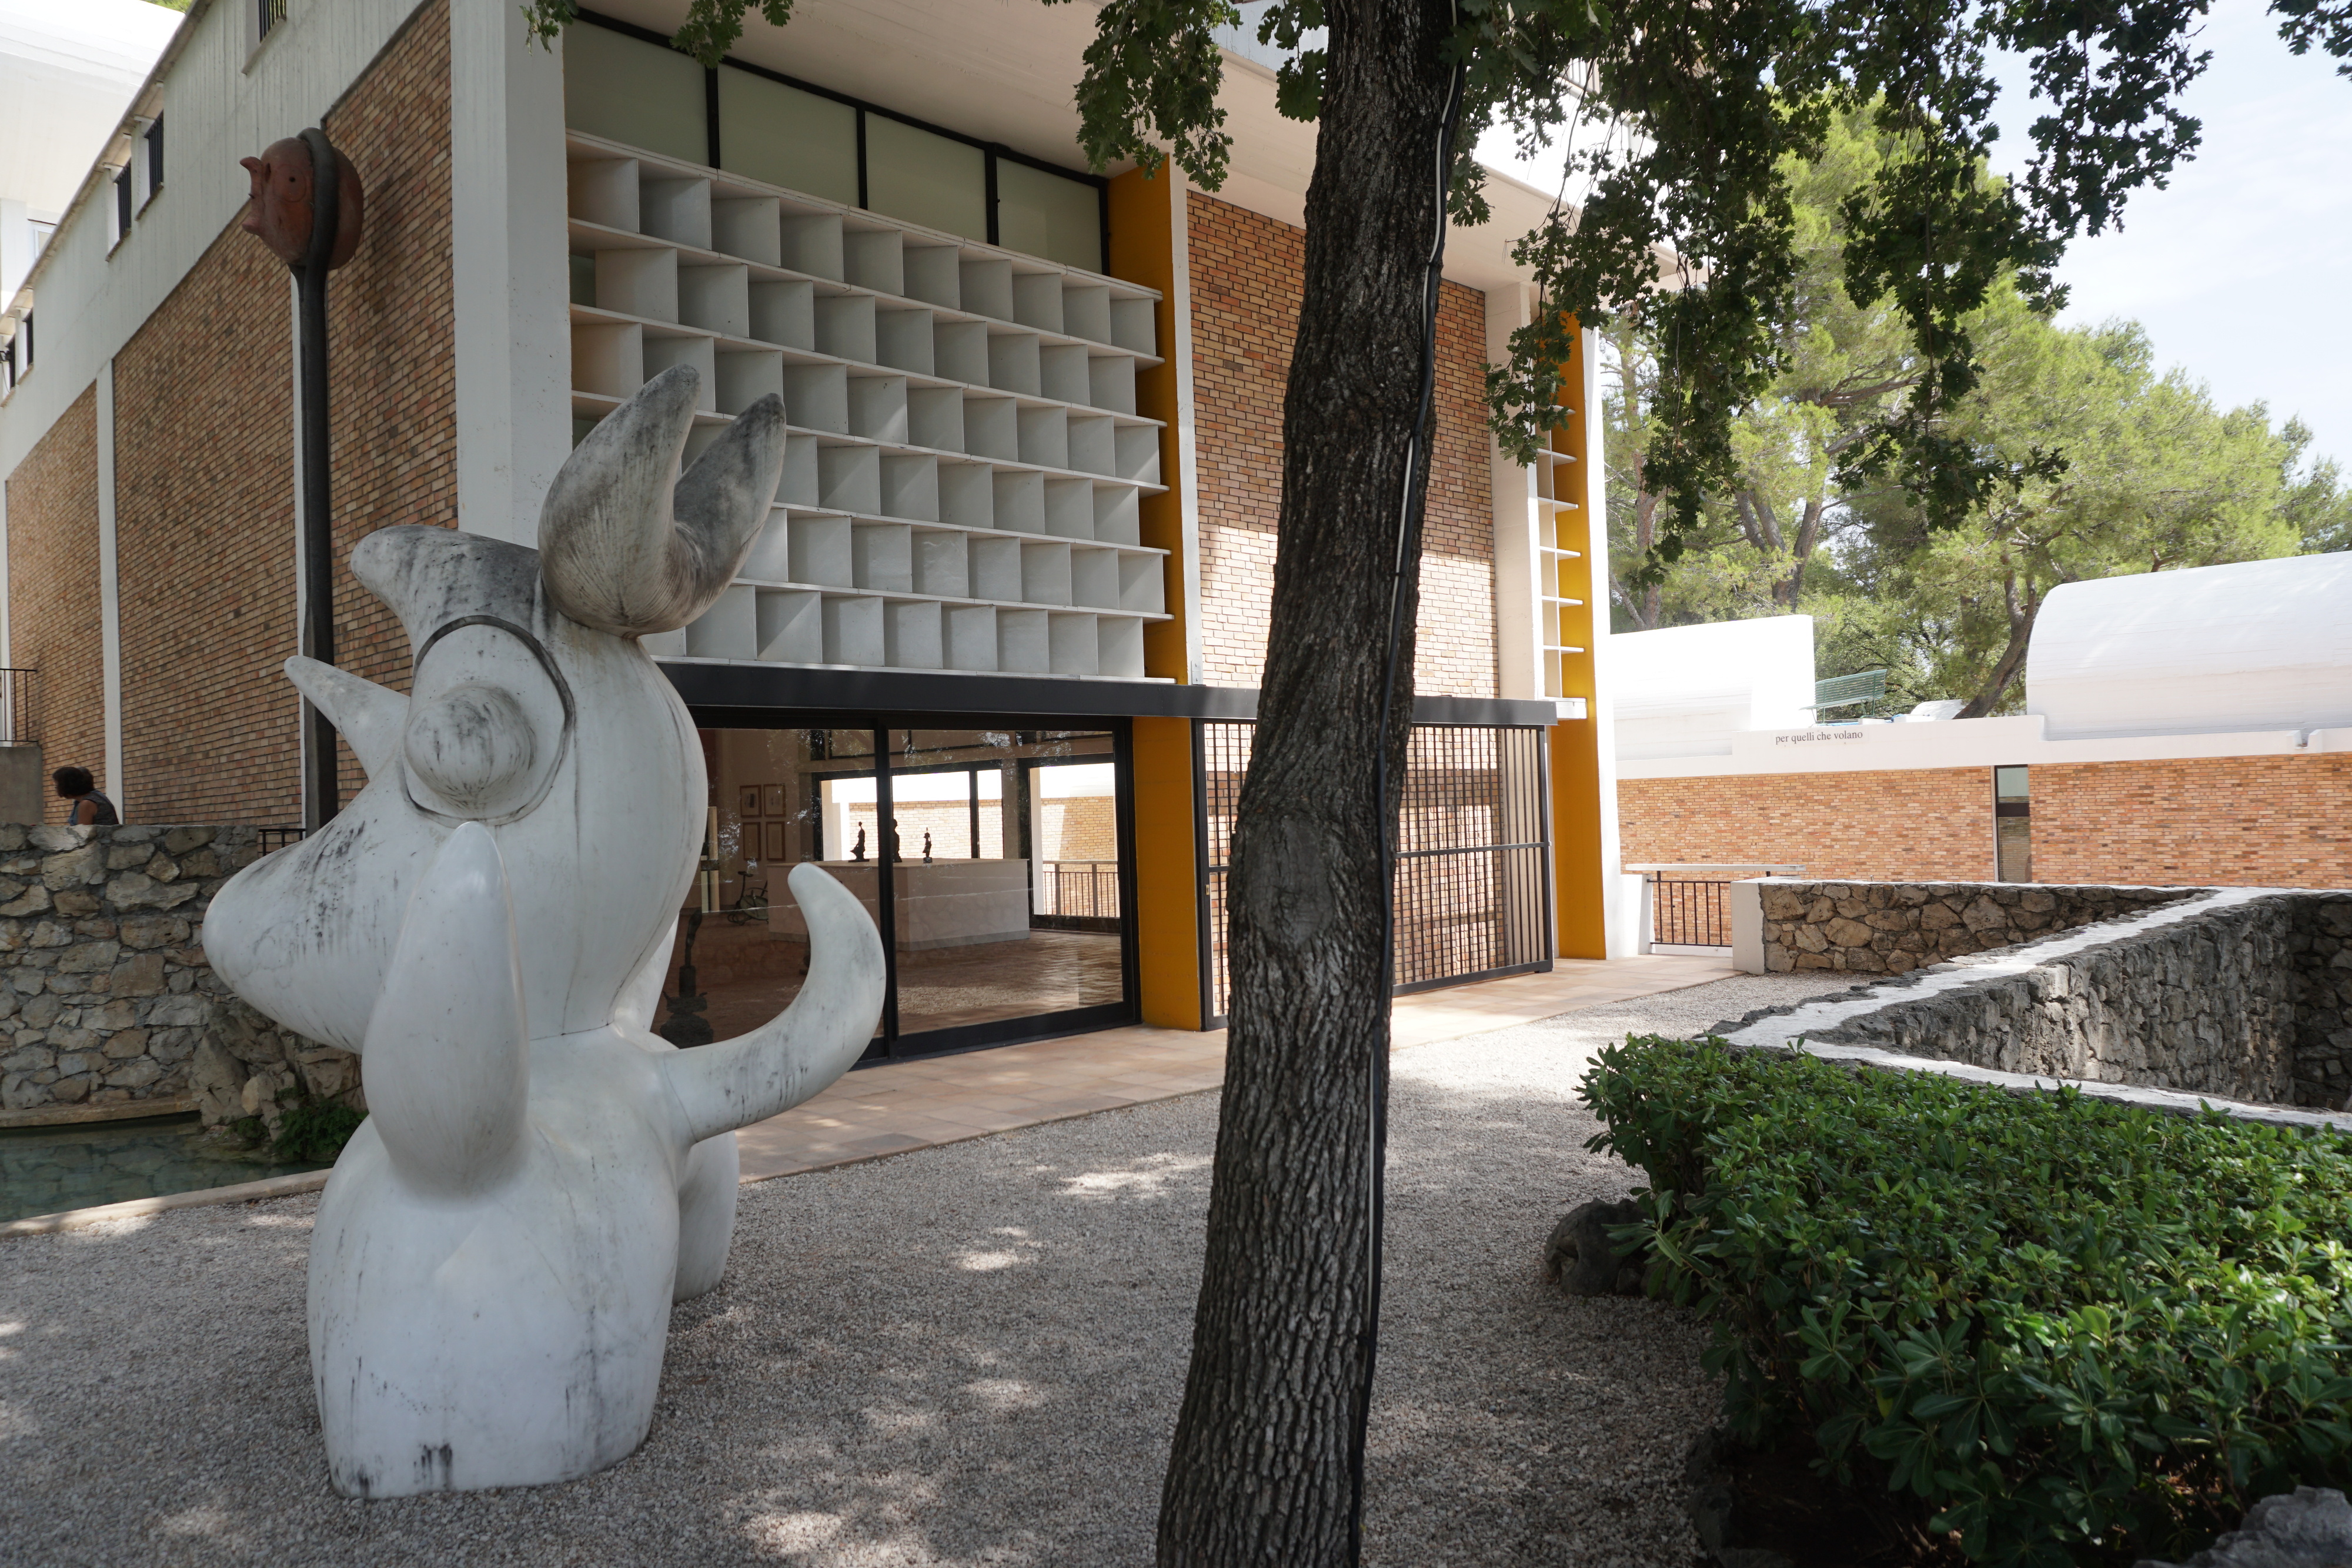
[(2077, 1331), (313, 1132)]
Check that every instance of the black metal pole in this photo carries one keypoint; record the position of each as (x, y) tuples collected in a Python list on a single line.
[(318, 495)]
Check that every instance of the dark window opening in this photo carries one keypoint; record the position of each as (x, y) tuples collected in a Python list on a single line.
[(123, 177), (2012, 823), (155, 158)]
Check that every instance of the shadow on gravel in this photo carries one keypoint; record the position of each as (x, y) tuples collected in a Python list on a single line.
[(967, 1355)]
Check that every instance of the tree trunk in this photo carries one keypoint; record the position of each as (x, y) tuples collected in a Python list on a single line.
[(1263, 1470)]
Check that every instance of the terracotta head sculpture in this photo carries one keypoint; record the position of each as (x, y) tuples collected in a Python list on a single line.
[(281, 207)]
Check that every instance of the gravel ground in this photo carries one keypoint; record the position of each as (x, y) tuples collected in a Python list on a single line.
[(964, 1355)]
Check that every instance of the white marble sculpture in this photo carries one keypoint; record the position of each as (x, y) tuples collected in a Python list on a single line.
[(489, 922)]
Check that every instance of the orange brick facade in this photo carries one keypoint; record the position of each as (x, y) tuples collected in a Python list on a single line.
[(2237, 822), (204, 489), (53, 598), (1929, 825), (1246, 272), (2246, 821)]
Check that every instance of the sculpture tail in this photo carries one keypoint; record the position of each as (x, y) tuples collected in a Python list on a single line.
[(447, 1045), (753, 1077)]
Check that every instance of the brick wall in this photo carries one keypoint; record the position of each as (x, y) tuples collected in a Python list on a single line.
[(205, 451), (1246, 272), (53, 617), (2222, 822), (2244, 821), (1931, 824)]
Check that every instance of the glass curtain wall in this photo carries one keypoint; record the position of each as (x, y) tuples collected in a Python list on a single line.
[(996, 857)]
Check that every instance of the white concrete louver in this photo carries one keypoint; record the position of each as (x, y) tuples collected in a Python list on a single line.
[(965, 462)]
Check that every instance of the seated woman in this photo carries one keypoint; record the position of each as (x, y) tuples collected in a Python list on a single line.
[(89, 807)]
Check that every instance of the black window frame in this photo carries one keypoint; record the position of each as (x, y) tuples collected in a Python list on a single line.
[(123, 210), (992, 152)]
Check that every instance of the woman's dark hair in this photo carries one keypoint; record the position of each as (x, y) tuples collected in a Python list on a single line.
[(73, 782)]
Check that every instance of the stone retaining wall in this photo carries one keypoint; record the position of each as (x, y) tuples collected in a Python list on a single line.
[(1891, 928), (2243, 994), (105, 995)]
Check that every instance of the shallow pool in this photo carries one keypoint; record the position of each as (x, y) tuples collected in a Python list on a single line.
[(44, 1169)]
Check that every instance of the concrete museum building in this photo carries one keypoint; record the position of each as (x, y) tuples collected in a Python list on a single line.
[(994, 659)]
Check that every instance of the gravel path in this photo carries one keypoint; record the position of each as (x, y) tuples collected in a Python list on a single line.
[(965, 1355)]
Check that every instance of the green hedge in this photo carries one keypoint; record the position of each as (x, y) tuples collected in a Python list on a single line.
[(2078, 1331)]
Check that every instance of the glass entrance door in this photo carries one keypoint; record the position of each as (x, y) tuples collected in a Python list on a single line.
[(996, 856)]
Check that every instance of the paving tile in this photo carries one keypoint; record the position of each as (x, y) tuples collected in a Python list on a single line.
[(897, 1106)]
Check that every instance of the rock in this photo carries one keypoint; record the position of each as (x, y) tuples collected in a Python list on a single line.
[(140, 975), (136, 1075), (33, 901), (2309, 1527), (1580, 1258), (180, 840)]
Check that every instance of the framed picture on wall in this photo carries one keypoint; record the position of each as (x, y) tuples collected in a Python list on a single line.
[(750, 804), (775, 793), (775, 846)]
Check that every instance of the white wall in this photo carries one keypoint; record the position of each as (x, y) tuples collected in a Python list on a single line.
[(1686, 691), (2256, 645)]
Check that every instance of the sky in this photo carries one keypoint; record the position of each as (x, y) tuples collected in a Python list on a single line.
[(2233, 269)]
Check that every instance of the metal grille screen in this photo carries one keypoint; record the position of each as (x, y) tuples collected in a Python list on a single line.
[(1474, 861)]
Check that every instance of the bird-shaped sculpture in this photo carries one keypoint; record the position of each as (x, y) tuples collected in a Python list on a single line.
[(540, 1175)]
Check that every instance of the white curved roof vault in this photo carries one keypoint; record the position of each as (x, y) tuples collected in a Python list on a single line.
[(2253, 645)]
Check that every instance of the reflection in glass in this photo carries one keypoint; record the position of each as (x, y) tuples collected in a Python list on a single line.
[(748, 957), (1001, 850), (1014, 910)]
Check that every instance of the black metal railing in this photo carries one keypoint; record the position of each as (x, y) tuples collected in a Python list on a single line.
[(272, 13), (1472, 886), (1080, 890), (278, 838), (20, 714), (1688, 914)]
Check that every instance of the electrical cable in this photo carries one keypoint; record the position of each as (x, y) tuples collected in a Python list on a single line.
[(1407, 536)]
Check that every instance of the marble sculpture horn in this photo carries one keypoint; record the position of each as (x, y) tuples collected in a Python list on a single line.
[(628, 547)]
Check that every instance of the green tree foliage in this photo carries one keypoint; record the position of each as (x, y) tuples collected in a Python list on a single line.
[(2101, 465)]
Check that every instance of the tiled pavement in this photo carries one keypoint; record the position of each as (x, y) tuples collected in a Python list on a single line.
[(903, 1105)]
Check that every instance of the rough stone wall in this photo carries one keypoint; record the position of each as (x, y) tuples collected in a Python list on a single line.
[(1891, 928), (2232, 821), (105, 994), (2321, 943), (1246, 272), (53, 613), (204, 484), (2248, 1001), (1866, 827)]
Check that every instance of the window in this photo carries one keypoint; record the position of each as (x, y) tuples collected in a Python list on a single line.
[(782, 136), (999, 858), (627, 85), (154, 144), (2012, 823), (925, 178), (272, 13), (122, 184), (625, 89), (1048, 214)]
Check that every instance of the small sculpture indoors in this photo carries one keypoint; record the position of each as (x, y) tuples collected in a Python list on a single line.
[(489, 922)]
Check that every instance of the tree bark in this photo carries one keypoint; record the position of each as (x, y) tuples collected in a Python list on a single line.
[(1261, 1471)]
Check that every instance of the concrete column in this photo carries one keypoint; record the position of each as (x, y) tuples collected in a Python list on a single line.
[(508, 250), (1518, 670), (109, 596)]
